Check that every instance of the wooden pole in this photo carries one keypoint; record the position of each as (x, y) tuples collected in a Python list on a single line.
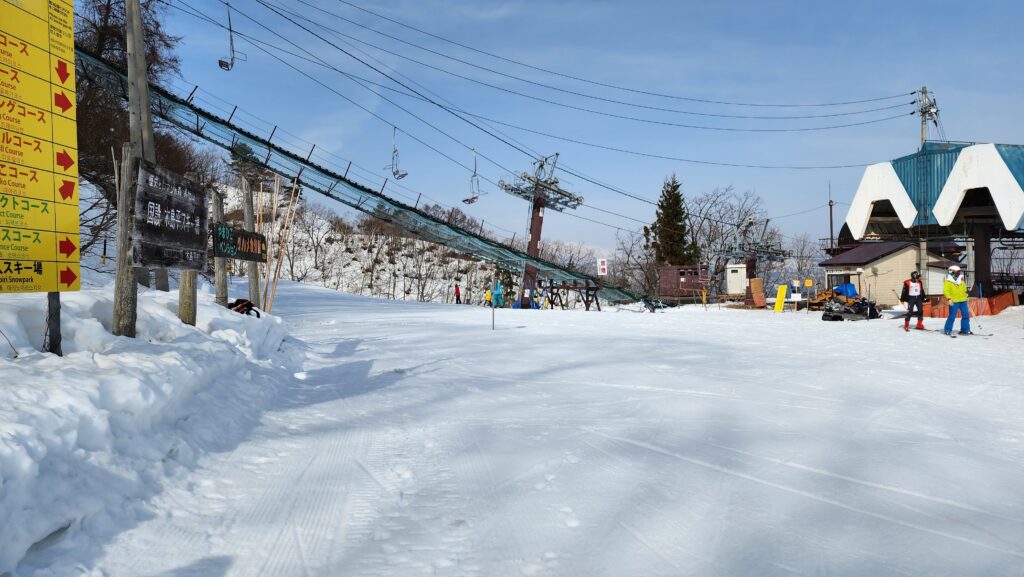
[(259, 228), (135, 134), (220, 265), (142, 133), (125, 291), (186, 287), (270, 234), (283, 241), (187, 297), (53, 335), (250, 225)]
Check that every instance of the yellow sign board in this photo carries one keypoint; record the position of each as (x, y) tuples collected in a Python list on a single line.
[(780, 298), (39, 219), (20, 276), (24, 87), (22, 55), (17, 116), (26, 150), (22, 21), (35, 214), (808, 282)]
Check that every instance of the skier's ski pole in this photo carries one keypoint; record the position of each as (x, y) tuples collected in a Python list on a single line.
[(981, 303)]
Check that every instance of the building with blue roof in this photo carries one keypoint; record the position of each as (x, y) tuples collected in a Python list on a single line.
[(962, 191)]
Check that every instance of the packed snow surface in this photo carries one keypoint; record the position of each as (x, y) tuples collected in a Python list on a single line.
[(400, 439)]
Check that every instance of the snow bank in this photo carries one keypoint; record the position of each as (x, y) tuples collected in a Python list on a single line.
[(85, 437)]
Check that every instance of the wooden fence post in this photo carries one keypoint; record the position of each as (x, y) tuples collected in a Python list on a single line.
[(220, 265), (125, 289)]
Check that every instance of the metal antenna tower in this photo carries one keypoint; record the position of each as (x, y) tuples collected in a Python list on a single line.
[(752, 251), (928, 110), (541, 188)]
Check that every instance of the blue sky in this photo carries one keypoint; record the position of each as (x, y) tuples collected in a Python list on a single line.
[(968, 53)]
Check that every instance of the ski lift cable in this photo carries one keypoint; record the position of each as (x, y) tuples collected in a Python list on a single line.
[(370, 112), (564, 168), (567, 139), (533, 82), (195, 14), (599, 112), (614, 86)]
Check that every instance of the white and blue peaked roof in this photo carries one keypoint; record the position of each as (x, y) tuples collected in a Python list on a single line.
[(928, 187)]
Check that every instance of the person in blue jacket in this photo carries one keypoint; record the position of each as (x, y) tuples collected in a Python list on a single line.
[(499, 300)]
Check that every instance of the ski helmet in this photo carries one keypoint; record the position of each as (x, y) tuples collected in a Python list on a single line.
[(914, 275), (954, 269)]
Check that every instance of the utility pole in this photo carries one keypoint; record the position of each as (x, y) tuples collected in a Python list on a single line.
[(140, 147), (543, 191), (249, 223), (125, 280), (145, 147), (928, 110), (220, 266), (831, 203)]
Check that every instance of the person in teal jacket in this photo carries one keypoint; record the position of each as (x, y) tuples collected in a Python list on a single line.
[(499, 298), (955, 290)]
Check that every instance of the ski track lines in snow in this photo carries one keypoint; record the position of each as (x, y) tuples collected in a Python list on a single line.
[(416, 441)]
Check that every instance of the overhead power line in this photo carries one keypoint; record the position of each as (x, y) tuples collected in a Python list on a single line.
[(340, 35), (264, 46), (535, 83), (565, 169), (619, 87)]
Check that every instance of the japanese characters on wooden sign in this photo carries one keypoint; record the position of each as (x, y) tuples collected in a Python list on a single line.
[(39, 242), (237, 243), (170, 220)]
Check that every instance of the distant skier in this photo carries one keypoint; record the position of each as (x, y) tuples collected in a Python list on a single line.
[(458, 294), (499, 301), (955, 290), (487, 297), (913, 296)]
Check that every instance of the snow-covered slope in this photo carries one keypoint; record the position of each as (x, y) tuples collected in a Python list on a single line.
[(85, 438), (411, 439)]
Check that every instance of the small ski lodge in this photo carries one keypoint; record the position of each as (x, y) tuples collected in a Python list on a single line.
[(682, 281), (878, 269)]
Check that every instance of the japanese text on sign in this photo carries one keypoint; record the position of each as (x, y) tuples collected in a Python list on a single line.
[(170, 220), (231, 242), (39, 219)]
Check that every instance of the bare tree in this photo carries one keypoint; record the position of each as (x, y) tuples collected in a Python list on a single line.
[(633, 265), (806, 256)]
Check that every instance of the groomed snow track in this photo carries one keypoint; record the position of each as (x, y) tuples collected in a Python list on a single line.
[(194, 120)]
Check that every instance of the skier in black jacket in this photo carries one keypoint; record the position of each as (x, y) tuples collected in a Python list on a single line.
[(913, 296)]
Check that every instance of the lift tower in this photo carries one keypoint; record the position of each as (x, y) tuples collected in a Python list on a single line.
[(543, 191)]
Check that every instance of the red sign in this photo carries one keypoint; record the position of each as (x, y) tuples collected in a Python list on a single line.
[(602, 267)]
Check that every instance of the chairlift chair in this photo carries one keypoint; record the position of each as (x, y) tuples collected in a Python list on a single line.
[(228, 62), (474, 184), (398, 174)]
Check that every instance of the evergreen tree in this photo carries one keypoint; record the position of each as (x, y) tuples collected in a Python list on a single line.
[(669, 236)]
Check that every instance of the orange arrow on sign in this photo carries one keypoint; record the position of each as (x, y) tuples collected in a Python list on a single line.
[(66, 247), (64, 160), (62, 71), (67, 189), (61, 100), (68, 277)]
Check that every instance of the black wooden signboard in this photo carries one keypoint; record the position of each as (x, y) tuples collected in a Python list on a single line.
[(170, 220), (233, 242)]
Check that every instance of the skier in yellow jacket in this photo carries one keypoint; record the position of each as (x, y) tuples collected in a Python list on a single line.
[(955, 290)]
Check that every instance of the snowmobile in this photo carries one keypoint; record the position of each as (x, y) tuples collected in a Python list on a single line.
[(851, 310)]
